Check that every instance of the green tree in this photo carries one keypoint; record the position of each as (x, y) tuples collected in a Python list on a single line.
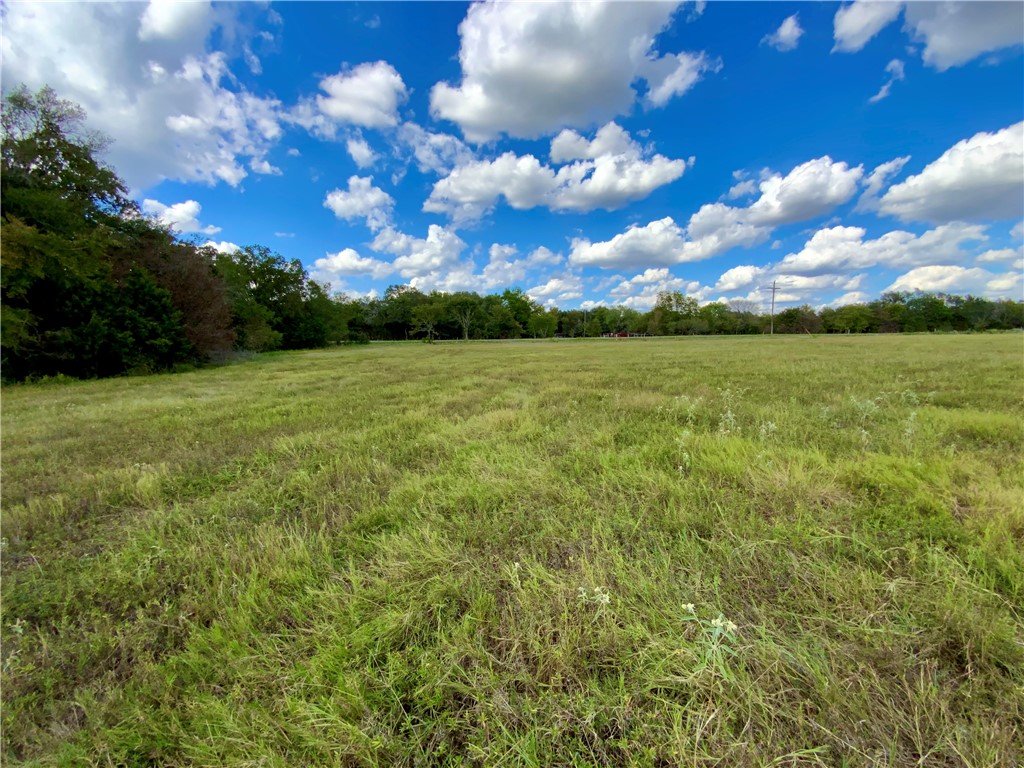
[(76, 297), (464, 308)]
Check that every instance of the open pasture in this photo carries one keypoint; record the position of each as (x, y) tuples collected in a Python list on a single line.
[(689, 551)]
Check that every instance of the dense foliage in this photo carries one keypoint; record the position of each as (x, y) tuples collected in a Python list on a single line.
[(92, 288), (406, 313)]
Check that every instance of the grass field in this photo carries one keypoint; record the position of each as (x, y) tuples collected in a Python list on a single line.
[(736, 552)]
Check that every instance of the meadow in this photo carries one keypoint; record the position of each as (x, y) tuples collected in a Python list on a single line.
[(649, 552)]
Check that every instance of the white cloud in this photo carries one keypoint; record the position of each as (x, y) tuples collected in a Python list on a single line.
[(173, 109), (504, 270), (641, 291), (361, 152), (858, 22), (252, 61), (169, 20), (786, 37), (739, 277), (660, 242), (674, 74), (181, 217), (424, 258), (1018, 230), (566, 288), (543, 256), (606, 173), (742, 189), (222, 247), (362, 200), (264, 167), (809, 190), (954, 33), (853, 297), (844, 249), (896, 73), (878, 179), (996, 256), (529, 69), (367, 95), (955, 279), (331, 267), (293, 152), (436, 152), (978, 178)]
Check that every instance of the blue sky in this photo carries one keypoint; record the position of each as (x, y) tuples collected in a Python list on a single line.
[(587, 153)]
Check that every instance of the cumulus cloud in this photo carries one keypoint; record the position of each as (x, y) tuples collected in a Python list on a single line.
[(170, 20), (362, 200), (844, 249), (145, 78), (896, 73), (361, 152), (641, 291), (743, 188), (1000, 255), (264, 167), (739, 277), (425, 258), (674, 74), (877, 180), (529, 69), (855, 24), (957, 279), (605, 173), (660, 242), (504, 270), (787, 36), (980, 178), (809, 190), (566, 288), (367, 96), (953, 33), (222, 247), (434, 152), (181, 217), (333, 266)]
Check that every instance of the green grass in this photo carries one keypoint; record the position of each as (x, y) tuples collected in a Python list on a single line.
[(483, 554)]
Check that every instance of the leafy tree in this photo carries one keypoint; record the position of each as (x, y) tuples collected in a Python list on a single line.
[(543, 324), (521, 306), (427, 316), (464, 307), (76, 298)]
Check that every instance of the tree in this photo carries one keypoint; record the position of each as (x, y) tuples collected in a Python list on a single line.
[(463, 307), (75, 295), (519, 305), (544, 324), (427, 316)]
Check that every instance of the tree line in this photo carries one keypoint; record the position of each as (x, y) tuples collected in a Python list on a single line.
[(92, 288)]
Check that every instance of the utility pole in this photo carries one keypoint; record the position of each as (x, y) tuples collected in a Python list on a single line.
[(774, 289)]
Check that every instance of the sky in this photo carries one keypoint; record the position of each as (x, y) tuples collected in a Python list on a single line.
[(589, 153)]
